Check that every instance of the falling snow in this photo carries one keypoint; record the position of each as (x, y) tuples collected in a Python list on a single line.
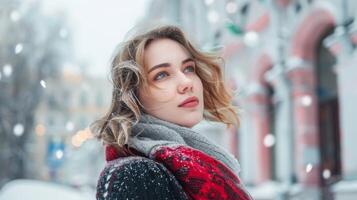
[(18, 130), (43, 83), (18, 48)]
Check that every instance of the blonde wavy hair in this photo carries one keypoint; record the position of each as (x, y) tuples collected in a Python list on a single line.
[(127, 74)]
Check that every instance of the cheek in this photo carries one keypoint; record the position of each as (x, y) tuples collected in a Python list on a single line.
[(145, 97), (199, 85), (154, 96)]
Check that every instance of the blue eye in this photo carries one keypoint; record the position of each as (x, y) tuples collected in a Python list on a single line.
[(190, 69), (160, 76)]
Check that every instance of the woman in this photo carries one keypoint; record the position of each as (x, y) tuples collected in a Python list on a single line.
[(163, 86)]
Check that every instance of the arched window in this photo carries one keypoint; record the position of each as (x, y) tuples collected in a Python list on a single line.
[(329, 125)]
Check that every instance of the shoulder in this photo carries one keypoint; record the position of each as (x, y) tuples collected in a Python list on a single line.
[(137, 177)]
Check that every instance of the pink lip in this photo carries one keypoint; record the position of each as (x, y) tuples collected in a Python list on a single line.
[(189, 102)]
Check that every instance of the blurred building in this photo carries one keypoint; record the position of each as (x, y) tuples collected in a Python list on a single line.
[(32, 46), (66, 151), (294, 66)]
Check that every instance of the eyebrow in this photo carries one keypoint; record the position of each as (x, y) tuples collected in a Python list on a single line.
[(168, 64)]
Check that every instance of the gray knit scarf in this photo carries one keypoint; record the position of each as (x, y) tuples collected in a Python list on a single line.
[(151, 132)]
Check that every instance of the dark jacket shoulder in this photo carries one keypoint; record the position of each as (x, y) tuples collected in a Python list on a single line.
[(136, 177)]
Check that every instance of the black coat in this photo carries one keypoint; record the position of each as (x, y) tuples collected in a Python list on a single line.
[(137, 177)]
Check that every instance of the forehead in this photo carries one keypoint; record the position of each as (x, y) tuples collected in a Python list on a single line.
[(164, 51)]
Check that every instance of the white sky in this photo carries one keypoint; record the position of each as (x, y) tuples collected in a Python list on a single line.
[(98, 26)]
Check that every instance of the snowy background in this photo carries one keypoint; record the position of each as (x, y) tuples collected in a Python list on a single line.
[(54, 59)]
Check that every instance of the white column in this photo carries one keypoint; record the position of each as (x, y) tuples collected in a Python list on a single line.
[(284, 150)]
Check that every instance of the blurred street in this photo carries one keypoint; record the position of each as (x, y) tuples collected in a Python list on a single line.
[(292, 65)]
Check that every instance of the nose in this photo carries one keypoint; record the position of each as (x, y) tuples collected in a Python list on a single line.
[(185, 84)]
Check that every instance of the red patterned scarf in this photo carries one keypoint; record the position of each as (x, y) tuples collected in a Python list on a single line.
[(200, 175), (204, 170)]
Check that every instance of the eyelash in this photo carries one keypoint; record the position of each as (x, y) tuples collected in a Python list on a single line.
[(156, 78)]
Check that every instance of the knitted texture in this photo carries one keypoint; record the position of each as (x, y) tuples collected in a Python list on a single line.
[(152, 132), (201, 176)]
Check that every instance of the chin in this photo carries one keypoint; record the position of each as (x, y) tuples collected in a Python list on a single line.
[(191, 121)]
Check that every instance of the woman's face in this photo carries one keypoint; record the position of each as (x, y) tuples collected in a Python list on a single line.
[(175, 92)]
